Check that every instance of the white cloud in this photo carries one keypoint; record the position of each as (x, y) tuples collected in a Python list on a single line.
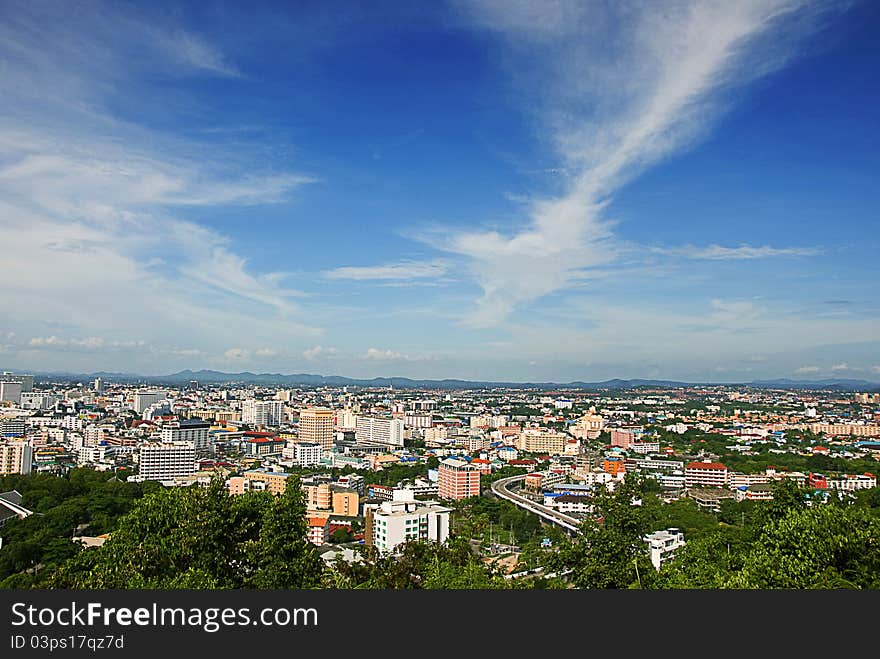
[(402, 270), (319, 352), (236, 354), (243, 354), (808, 369), (89, 202), (620, 87), (383, 355), (845, 367), (719, 253)]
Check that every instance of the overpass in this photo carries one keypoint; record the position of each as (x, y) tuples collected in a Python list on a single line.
[(500, 488)]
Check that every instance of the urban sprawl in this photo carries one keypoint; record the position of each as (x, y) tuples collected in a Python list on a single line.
[(380, 467)]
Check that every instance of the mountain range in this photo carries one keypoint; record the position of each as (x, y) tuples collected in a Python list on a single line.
[(313, 380)]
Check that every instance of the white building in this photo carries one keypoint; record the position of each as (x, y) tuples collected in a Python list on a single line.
[(143, 399), (851, 482), (16, 458), (13, 427), (562, 404), (346, 419), (194, 431), (307, 454), (262, 412), (418, 420), (165, 462), (662, 545), (38, 400), (404, 519), (382, 431)]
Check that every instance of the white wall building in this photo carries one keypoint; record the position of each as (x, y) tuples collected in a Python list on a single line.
[(307, 454), (194, 431), (165, 462), (382, 431), (143, 399), (403, 519), (262, 412), (662, 545)]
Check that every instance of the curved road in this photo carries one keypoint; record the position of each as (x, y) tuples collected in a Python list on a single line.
[(501, 490)]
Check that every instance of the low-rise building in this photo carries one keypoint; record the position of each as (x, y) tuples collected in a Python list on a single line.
[(662, 545)]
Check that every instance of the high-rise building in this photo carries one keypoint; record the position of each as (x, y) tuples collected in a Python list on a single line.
[(16, 458), (194, 431), (371, 430), (99, 386), (143, 399), (166, 461), (316, 426), (26, 381), (457, 479), (262, 412), (10, 391)]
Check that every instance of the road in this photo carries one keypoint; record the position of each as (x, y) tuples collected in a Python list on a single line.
[(501, 489)]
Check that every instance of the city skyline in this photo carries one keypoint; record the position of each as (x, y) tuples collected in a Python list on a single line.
[(491, 191)]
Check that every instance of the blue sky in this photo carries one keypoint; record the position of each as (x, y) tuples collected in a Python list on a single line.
[(513, 190)]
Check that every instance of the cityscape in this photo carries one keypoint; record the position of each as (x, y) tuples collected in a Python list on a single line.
[(514, 474), (463, 295)]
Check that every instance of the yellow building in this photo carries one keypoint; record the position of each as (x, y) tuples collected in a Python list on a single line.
[(316, 426), (345, 502), (541, 440)]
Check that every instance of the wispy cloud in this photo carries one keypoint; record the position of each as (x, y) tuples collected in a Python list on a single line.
[(318, 352), (402, 270), (85, 193), (807, 369), (383, 355), (615, 105), (721, 253)]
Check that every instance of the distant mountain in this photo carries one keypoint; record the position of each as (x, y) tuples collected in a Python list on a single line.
[(313, 380)]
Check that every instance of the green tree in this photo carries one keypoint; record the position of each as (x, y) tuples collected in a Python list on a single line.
[(284, 557), (610, 551)]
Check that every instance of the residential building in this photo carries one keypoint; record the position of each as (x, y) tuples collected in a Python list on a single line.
[(316, 426), (258, 480), (404, 519), (705, 474), (662, 545), (345, 502), (194, 431), (307, 454), (457, 479), (262, 412), (16, 458), (372, 430), (542, 440), (319, 530), (166, 461)]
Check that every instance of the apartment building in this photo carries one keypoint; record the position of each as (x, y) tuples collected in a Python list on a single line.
[(457, 479), (542, 440), (404, 519), (705, 474), (194, 431), (372, 430), (166, 461), (262, 412), (16, 458), (316, 426)]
